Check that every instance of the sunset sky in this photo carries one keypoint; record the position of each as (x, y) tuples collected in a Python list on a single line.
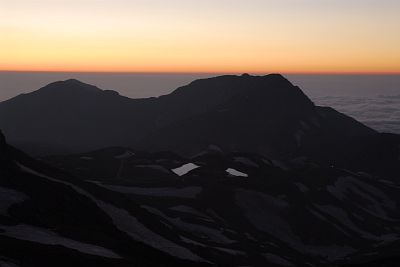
[(200, 36)]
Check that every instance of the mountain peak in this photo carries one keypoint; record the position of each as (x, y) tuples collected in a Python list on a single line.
[(73, 81), (273, 79), (69, 86), (216, 90), (278, 79), (276, 76), (272, 75)]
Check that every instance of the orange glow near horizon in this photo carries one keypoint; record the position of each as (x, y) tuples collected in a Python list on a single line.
[(262, 36), (211, 72)]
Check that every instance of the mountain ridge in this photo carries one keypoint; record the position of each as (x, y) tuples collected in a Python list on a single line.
[(268, 110), (59, 89)]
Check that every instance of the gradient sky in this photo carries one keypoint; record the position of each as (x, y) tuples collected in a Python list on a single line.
[(200, 36)]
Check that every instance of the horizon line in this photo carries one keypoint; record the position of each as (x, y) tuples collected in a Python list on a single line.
[(213, 72)]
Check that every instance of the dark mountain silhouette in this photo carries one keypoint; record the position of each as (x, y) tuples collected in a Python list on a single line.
[(65, 115), (263, 114)]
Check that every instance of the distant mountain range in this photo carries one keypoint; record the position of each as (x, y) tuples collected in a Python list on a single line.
[(258, 114), (264, 114)]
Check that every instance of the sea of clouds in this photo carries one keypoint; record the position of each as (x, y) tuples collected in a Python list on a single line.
[(380, 112), (371, 99)]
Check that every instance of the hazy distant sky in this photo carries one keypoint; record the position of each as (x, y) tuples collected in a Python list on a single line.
[(201, 36)]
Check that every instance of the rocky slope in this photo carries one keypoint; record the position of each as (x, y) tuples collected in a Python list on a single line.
[(49, 218), (241, 209)]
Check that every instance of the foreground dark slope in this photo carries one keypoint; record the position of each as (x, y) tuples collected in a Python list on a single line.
[(48, 218), (241, 209), (127, 208), (264, 114)]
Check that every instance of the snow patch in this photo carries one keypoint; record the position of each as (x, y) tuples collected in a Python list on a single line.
[(237, 173), (184, 169)]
